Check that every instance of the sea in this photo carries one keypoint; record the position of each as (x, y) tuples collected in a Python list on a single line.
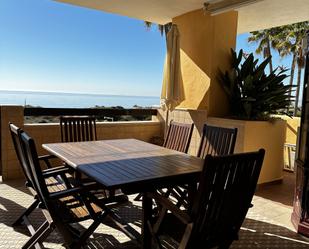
[(74, 100)]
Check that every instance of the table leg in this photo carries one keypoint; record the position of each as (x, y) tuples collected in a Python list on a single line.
[(192, 189), (147, 208)]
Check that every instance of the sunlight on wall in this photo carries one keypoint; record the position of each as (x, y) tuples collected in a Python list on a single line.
[(205, 43), (195, 82)]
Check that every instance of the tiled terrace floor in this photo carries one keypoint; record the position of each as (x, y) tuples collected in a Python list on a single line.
[(267, 225)]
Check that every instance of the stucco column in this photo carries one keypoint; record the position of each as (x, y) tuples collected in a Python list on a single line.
[(9, 163), (205, 43)]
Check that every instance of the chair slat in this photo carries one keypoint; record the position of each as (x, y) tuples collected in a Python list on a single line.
[(217, 141), (78, 128), (178, 136)]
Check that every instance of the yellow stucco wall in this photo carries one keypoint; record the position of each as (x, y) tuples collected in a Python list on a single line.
[(270, 136), (291, 128), (253, 135), (291, 139), (205, 43)]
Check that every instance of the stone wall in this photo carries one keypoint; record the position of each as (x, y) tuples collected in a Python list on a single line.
[(49, 133), (9, 164), (250, 136)]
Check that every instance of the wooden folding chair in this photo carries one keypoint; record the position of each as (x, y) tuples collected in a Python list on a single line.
[(63, 208), (78, 128), (214, 141), (178, 138), (225, 192), (55, 178)]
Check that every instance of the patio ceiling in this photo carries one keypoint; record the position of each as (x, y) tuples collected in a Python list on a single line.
[(254, 15), (272, 13)]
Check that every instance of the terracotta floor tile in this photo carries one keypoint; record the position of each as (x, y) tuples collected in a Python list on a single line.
[(267, 224)]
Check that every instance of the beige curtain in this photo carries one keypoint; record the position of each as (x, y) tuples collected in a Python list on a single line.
[(172, 94)]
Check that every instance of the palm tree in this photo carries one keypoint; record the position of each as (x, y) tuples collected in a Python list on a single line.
[(291, 38), (285, 47), (163, 28), (297, 34), (264, 38), (286, 40)]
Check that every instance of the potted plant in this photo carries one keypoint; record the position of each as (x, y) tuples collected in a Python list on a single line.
[(254, 96)]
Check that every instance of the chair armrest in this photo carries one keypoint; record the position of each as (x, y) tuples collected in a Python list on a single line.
[(66, 193), (182, 216), (55, 171), (56, 168), (82, 189), (85, 183), (45, 159)]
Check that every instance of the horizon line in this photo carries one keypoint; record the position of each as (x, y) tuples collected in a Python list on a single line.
[(77, 93)]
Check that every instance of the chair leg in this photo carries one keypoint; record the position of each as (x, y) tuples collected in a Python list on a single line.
[(155, 238), (26, 213), (124, 227), (74, 231), (85, 235), (147, 213), (44, 230)]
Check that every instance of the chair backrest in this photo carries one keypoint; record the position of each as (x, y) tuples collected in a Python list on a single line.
[(33, 166), (41, 189), (224, 196), (16, 138), (78, 128), (178, 136), (217, 141)]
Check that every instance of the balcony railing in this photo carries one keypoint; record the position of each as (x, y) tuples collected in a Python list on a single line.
[(37, 111), (102, 114)]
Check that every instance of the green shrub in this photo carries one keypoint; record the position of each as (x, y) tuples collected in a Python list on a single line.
[(253, 94)]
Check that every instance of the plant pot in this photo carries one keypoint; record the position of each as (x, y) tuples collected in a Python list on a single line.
[(253, 135)]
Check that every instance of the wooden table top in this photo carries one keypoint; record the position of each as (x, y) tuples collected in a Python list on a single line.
[(128, 163)]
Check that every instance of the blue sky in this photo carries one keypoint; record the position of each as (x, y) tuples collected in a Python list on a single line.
[(46, 45), (50, 46), (242, 43)]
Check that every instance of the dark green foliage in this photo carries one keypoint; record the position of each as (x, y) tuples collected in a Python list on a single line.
[(254, 95)]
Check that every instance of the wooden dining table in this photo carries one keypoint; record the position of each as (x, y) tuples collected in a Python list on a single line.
[(131, 165)]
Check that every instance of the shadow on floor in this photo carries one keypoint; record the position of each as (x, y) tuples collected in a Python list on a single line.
[(17, 185), (10, 212), (258, 234), (106, 241), (255, 233)]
